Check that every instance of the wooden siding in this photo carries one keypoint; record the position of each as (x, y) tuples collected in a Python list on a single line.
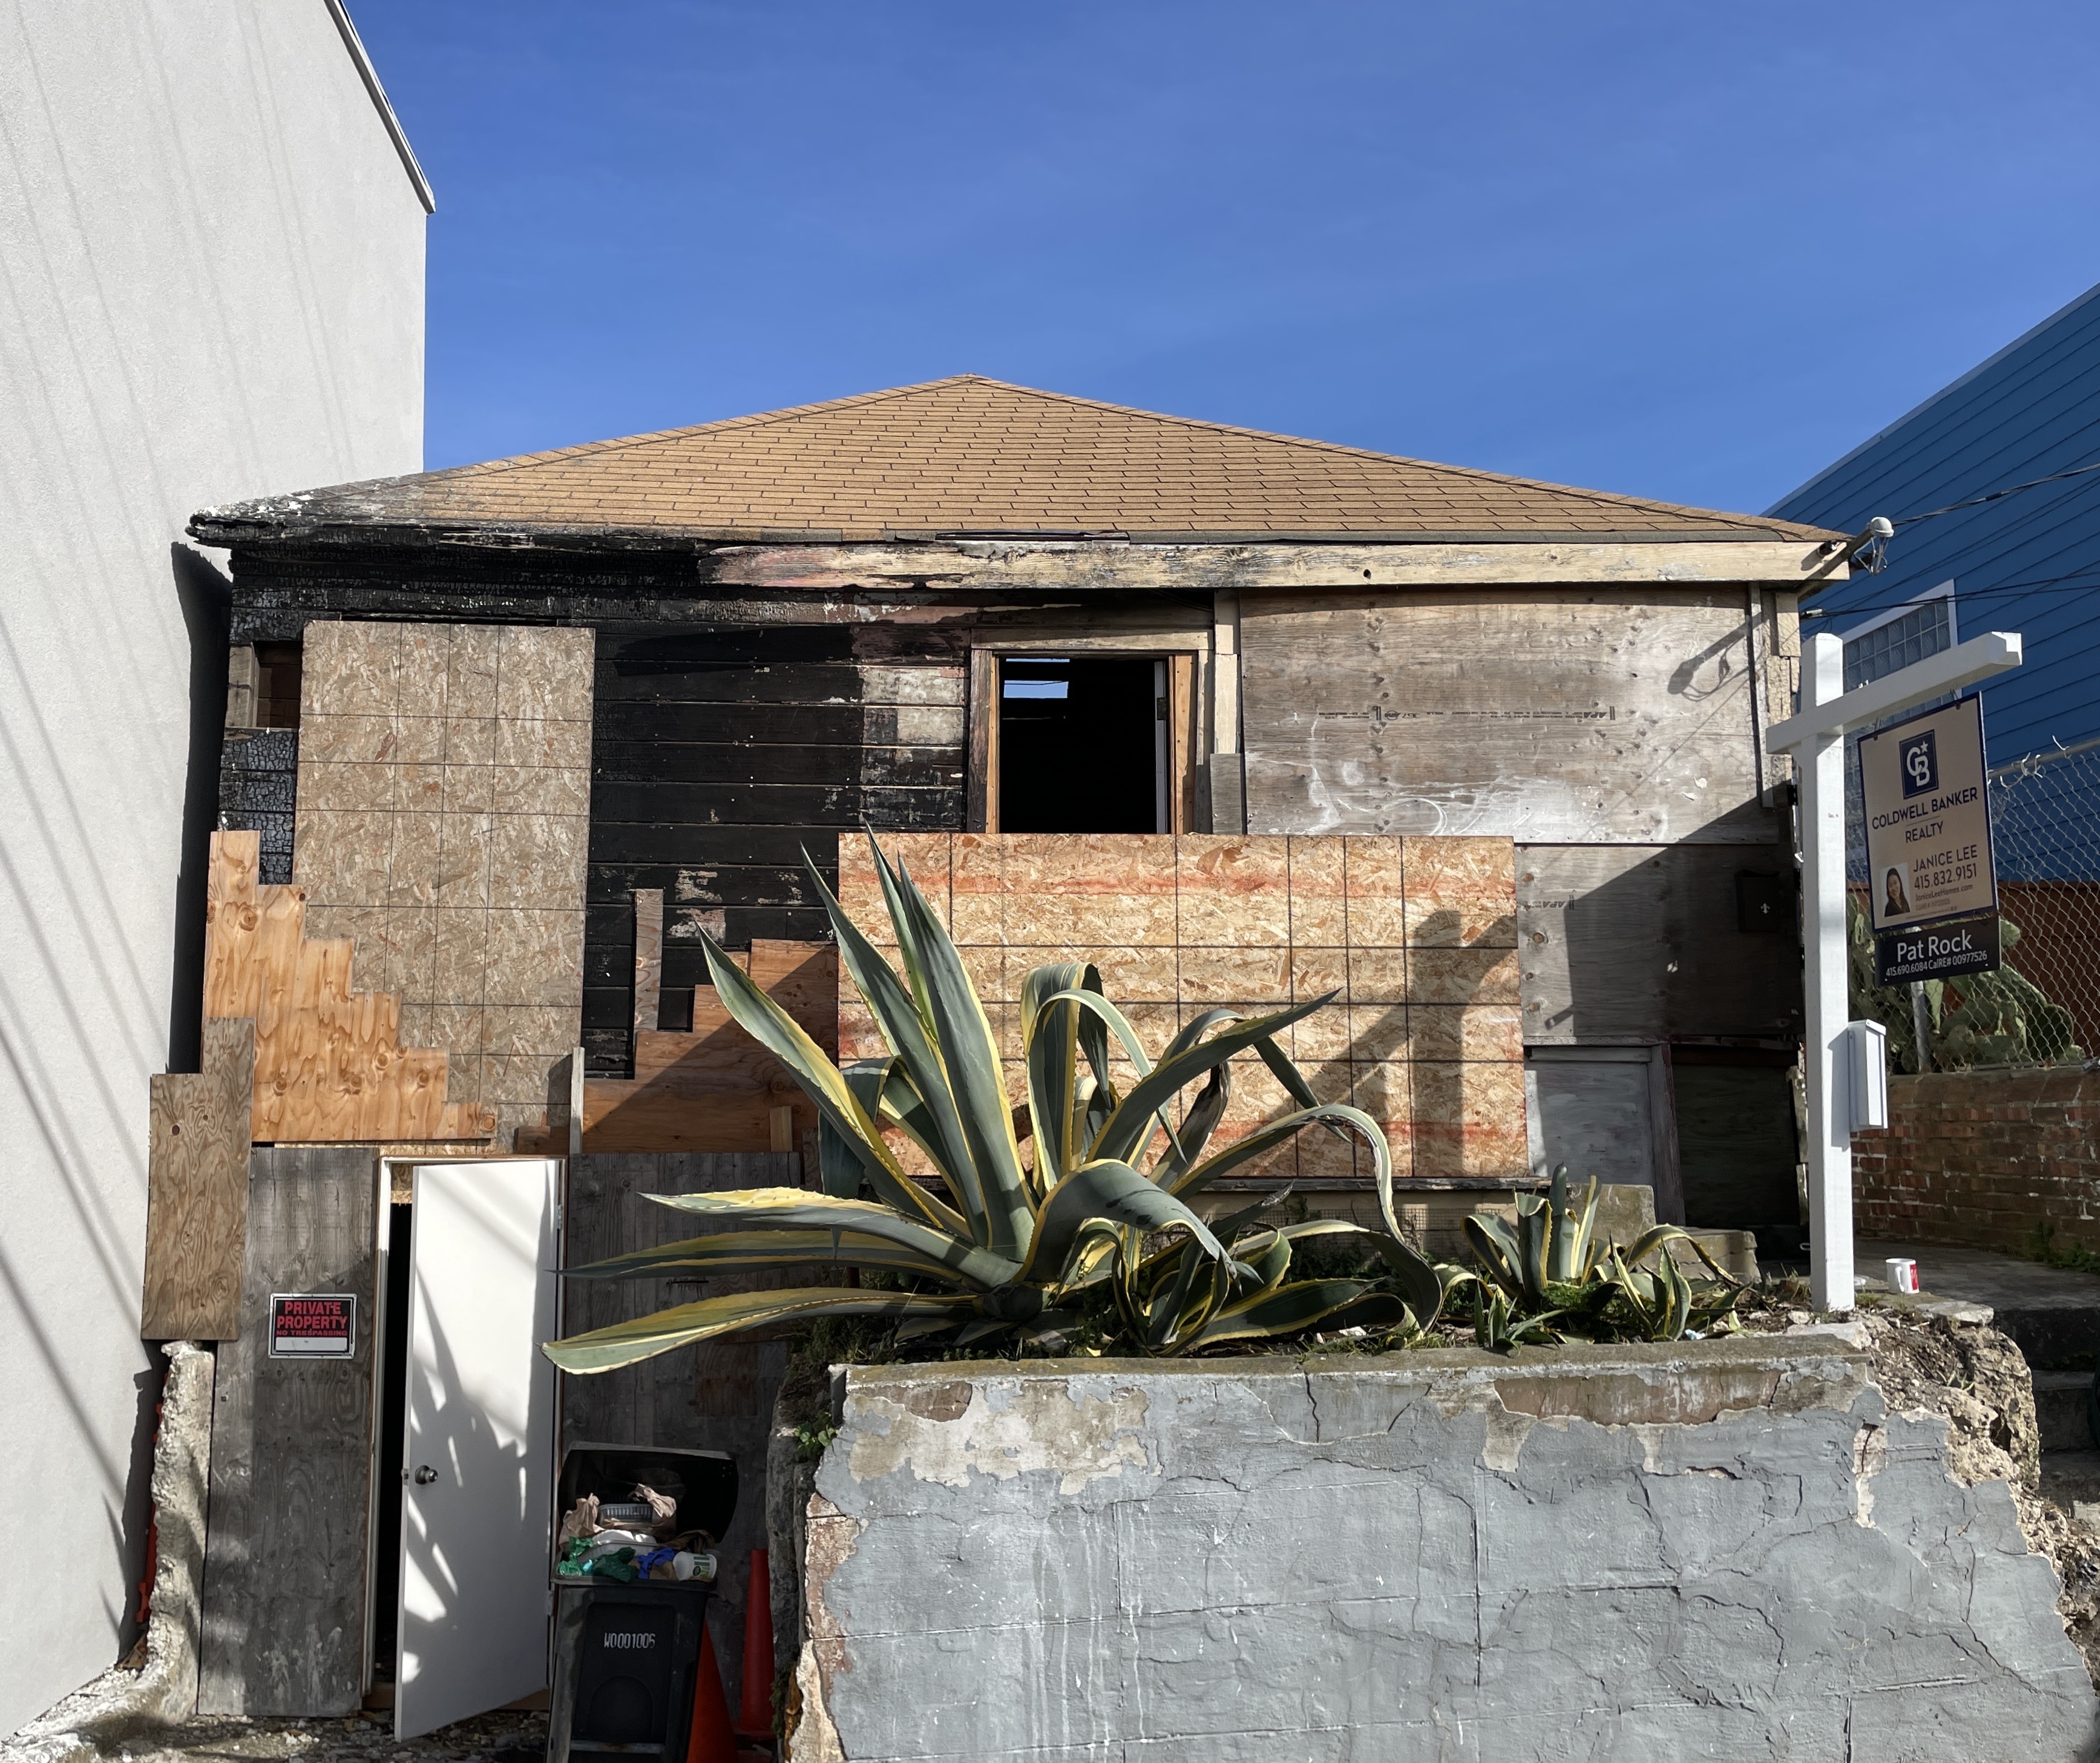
[(285, 1555), (1570, 716)]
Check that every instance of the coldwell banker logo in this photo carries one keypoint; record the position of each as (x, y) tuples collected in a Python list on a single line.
[(1919, 757)]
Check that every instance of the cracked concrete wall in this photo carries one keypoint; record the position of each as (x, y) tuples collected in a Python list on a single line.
[(1713, 1549)]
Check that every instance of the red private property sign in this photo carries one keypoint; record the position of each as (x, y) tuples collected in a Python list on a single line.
[(313, 1325)]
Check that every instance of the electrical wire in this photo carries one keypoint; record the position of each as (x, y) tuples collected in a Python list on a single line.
[(2040, 585), (2010, 489)]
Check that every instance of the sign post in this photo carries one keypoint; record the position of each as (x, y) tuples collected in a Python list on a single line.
[(1815, 736)]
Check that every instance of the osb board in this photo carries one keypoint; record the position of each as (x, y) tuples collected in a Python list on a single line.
[(329, 1065), (444, 826), (715, 1088), (1415, 938), (283, 1615), (1598, 716), (197, 1195)]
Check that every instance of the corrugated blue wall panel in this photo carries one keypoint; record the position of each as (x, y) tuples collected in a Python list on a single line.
[(2029, 562)]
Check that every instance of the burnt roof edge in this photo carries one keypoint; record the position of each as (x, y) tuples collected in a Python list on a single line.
[(231, 529)]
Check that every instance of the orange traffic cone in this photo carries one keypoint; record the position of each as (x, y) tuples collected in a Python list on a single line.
[(754, 1718), (709, 1739)]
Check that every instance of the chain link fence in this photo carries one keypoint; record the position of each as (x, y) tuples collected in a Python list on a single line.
[(2045, 1008), (2046, 832)]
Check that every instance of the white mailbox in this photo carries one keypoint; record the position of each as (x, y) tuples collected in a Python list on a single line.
[(1867, 1054)]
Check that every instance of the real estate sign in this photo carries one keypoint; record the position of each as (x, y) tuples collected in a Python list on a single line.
[(1928, 813)]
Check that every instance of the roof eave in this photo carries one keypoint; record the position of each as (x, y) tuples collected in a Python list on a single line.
[(251, 525)]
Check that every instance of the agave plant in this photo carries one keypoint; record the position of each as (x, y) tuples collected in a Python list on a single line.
[(1172, 1299), (1549, 1271), (997, 1242)]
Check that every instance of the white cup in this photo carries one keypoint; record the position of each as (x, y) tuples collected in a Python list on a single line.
[(1903, 1273)]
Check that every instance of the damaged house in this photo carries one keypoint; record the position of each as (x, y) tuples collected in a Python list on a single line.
[(1243, 718)]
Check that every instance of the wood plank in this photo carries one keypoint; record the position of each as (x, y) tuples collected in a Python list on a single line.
[(648, 958), (1585, 718), (859, 761), (197, 1207), (1639, 942), (981, 805), (1181, 742), (283, 1604), (330, 1067), (1194, 566)]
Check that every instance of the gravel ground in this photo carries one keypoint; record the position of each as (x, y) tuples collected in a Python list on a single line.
[(500, 1737)]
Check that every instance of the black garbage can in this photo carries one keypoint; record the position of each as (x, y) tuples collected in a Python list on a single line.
[(627, 1657), (626, 1660)]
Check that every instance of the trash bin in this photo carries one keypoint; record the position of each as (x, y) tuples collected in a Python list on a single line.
[(627, 1656)]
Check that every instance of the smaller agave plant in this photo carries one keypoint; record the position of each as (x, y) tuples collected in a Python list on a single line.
[(1547, 1274), (1000, 1243)]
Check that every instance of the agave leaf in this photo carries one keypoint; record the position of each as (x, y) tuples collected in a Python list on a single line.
[(1128, 1126), (797, 1206), (625, 1343), (1105, 1189), (1376, 1310), (1415, 1275), (1534, 1220), (1050, 1045), (1113, 1021), (840, 1169), (1196, 1126), (748, 1251), (821, 1081), (1283, 1310), (1170, 1309), (1495, 1243), (1227, 1227), (1285, 1071), (1273, 1133), (969, 1053), (896, 1099), (897, 1013)]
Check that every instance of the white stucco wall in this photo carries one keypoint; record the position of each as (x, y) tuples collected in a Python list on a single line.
[(211, 288)]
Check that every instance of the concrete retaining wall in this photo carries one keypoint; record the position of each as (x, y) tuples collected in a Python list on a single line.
[(1726, 1549)]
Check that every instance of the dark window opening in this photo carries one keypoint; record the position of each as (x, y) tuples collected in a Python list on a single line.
[(277, 667), (1081, 744)]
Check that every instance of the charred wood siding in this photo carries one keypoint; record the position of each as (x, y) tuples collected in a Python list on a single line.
[(259, 778), (719, 756)]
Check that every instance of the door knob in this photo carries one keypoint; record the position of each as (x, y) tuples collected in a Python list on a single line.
[(425, 1475)]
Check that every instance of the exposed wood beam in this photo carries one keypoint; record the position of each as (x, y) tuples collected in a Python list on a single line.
[(1112, 565)]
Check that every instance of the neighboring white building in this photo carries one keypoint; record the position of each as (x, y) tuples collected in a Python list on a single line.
[(211, 286)]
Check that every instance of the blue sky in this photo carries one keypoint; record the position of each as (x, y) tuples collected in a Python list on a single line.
[(1681, 250)]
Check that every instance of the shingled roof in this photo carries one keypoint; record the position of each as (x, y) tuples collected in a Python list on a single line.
[(969, 457)]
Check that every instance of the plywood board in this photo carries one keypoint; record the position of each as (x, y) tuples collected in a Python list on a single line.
[(196, 1206), (291, 1454), (648, 958), (329, 1065), (1639, 942), (717, 1396), (1605, 716)]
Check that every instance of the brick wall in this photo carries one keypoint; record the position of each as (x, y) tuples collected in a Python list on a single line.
[(1980, 1158)]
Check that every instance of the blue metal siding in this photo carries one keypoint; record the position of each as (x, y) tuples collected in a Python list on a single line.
[(2032, 409)]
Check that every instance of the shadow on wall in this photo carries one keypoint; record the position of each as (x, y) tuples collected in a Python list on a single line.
[(205, 596)]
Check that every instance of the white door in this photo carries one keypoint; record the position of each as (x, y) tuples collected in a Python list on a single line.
[(477, 1468)]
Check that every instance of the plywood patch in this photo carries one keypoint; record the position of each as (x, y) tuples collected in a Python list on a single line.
[(196, 1208), (329, 1065)]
